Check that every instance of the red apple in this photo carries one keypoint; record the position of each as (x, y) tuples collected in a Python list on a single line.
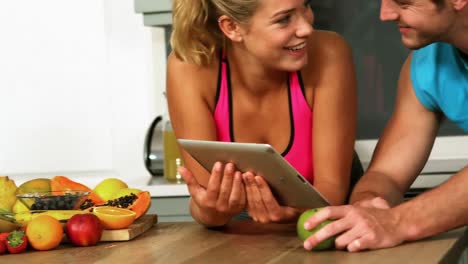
[(84, 230)]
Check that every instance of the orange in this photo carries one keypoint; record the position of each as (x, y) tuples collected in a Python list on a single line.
[(114, 217), (44, 232)]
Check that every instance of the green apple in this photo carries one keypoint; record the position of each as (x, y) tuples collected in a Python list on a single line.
[(304, 234)]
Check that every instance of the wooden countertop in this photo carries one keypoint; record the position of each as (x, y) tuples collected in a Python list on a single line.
[(240, 242)]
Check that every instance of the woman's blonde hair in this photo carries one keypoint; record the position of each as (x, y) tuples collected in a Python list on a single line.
[(196, 36)]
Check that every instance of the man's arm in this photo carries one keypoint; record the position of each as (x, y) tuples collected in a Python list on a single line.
[(402, 150), (438, 210), (399, 157)]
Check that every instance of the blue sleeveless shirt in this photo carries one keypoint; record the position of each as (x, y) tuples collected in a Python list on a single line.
[(439, 74)]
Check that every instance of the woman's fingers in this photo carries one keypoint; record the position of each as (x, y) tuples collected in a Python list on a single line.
[(251, 206), (271, 205), (214, 183), (222, 203), (237, 197), (190, 180), (225, 192), (195, 189), (255, 201)]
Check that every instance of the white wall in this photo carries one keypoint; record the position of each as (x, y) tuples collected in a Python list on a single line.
[(76, 89)]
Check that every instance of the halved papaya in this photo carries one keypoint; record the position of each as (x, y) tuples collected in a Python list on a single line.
[(62, 183), (138, 203), (142, 204)]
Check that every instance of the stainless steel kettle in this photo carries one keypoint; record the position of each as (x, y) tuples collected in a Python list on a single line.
[(153, 154)]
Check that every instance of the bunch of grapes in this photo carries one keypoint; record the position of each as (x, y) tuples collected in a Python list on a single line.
[(56, 202)]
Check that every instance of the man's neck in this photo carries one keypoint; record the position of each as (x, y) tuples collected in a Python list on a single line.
[(460, 37), (461, 43)]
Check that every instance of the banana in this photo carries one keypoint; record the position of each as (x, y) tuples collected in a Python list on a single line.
[(23, 218)]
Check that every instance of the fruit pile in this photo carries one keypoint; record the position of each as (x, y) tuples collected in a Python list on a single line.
[(42, 221)]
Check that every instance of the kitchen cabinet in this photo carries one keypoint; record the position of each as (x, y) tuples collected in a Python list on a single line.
[(170, 201), (171, 209), (155, 13)]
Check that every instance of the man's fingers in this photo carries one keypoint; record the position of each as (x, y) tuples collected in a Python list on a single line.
[(355, 246), (327, 231), (346, 238), (329, 212), (364, 242)]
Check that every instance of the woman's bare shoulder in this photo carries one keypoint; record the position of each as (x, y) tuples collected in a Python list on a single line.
[(191, 79), (328, 44), (326, 49), (186, 69), (329, 56)]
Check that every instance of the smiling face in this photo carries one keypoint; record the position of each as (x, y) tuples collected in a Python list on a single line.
[(277, 34), (421, 22)]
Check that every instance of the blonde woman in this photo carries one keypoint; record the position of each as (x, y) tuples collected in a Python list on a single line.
[(256, 71)]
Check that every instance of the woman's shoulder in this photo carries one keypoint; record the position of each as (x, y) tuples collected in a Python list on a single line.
[(190, 78), (328, 53), (176, 64), (329, 44), (327, 49)]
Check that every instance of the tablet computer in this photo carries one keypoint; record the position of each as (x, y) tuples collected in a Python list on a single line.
[(287, 185)]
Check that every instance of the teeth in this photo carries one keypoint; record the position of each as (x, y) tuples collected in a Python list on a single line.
[(298, 47)]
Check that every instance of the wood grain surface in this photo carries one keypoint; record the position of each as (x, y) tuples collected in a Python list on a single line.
[(239, 242)]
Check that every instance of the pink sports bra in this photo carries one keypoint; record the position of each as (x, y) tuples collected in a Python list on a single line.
[(299, 150)]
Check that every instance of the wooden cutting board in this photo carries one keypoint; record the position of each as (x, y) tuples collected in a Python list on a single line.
[(137, 228)]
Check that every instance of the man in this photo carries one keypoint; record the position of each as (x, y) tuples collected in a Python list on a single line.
[(433, 85)]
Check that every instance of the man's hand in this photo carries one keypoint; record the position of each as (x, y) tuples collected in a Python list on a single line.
[(376, 202), (262, 205), (223, 197), (357, 228)]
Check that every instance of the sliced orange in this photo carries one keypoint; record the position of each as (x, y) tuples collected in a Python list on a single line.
[(114, 217)]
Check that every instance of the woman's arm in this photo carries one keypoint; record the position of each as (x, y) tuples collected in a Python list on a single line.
[(215, 197), (334, 115), (189, 110)]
